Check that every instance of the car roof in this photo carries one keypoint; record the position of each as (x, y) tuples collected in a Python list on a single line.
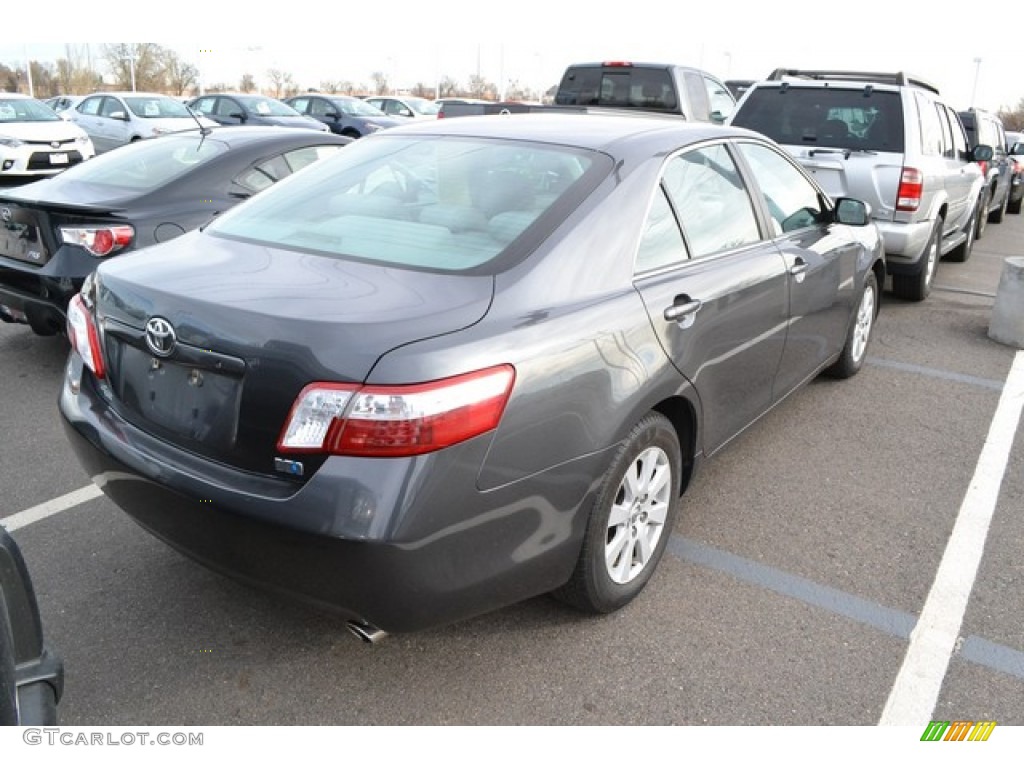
[(596, 131), (6, 95)]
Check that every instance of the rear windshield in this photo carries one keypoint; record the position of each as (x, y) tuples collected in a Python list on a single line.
[(647, 88), (851, 118), (436, 202), (142, 166)]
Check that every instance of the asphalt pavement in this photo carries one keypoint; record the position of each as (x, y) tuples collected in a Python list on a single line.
[(804, 556)]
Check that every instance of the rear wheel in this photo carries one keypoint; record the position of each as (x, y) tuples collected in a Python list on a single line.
[(1013, 206), (917, 287), (632, 519)]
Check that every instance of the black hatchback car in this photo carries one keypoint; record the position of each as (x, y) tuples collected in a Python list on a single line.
[(56, 231), (465, 362)]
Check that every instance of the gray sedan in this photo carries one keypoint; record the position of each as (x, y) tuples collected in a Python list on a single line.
[(466, 362)]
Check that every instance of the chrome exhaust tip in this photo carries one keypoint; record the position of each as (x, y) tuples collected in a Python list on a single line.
[(366, 632)]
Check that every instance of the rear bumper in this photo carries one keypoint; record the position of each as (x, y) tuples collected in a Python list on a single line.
[(904, 245), (42, 292), (401, 544)]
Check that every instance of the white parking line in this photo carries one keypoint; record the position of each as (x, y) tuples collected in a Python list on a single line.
[(51, 507), (916, 690)]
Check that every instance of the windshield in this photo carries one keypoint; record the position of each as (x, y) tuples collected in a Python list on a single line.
[(423, 106), (261, 105), (435, 202), (145, 165), (357, 108), (156, 106), (25, 111)]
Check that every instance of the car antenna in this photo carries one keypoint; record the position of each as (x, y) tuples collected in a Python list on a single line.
[(204, 130)]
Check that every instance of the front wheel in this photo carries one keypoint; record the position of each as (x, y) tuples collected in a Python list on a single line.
[(857, 338), (632, 519)]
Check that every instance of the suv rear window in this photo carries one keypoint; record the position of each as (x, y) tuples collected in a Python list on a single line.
[(851, 118), (638, 87)]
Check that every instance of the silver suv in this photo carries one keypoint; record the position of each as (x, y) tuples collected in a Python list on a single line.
[(887, 139)]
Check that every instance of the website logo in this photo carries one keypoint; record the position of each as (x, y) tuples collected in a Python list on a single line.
[(958, 730)]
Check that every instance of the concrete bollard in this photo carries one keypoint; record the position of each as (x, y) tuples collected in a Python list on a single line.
[(1007, 324)]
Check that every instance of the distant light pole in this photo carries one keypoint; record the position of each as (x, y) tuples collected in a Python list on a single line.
[(977, 69), (130, 58), (28, 72)]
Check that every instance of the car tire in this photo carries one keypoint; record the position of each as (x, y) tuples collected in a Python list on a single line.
[(632, 519), (983, 218), (859, 335), (963, 251), (1013, 206), (917, 287), (996, 217)]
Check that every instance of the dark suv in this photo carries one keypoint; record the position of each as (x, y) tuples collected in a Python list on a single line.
[(887, 139), (665, 88), (985, 128)]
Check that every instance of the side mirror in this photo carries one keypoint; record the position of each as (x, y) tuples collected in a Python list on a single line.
[(238, 116), (853, 212), (982, 153), (333, 115), (119, 115)]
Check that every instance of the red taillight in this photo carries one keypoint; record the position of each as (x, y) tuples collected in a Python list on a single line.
[(99, 241), (983, 164), (616, 63), (84, 337), (908, 198), (403, 420)]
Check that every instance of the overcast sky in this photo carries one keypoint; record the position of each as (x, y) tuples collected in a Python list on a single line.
[(532, 41)]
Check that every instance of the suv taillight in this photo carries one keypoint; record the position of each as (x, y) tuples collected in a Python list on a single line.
[(908, 198), (84, 338), (353, 420)]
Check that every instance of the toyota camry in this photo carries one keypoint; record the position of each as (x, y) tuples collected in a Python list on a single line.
[(467, 362)]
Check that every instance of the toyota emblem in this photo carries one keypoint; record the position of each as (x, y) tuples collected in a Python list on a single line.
[(55, 144), (160, 337)]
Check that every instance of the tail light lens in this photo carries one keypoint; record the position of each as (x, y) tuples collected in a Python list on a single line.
[(99, 241), (352, 420), (83, 336), (908, 198)]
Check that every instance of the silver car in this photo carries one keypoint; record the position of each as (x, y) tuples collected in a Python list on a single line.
[(117, 118), (887, 139)]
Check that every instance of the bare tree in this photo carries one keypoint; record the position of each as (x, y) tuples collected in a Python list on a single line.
[(247, 83), (178, 75), (481, 89), (380, 83), (145, 59), (448, 87), (281, 83), (1013, 119), (74, 72), (423, 90)]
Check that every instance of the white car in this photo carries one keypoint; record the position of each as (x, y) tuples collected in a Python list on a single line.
[(113, 119), (34, 141)]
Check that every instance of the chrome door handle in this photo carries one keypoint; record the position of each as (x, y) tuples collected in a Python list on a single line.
[(798, 269)]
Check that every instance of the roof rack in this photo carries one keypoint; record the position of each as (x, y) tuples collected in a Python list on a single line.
[(892, 78)]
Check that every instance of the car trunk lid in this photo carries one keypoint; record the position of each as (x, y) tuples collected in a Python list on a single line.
[(208, 341)]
